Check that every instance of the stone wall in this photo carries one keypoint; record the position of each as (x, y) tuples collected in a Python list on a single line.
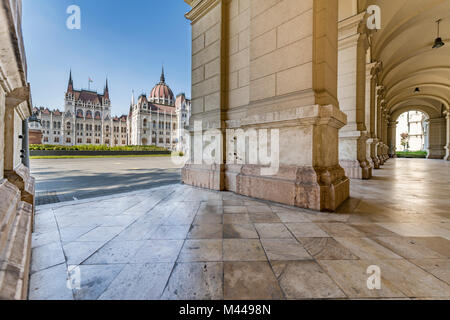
[(268, 66), (16, 184)]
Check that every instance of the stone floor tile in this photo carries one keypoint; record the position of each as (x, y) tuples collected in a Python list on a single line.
[(208, 218), (440, 268), (367, 249), (179, 218), (340, 230), (234, 209), (408, 248), (40, 239), (236, 218), (206, 231), (259, 209), (157, 251), (264, 217), (195, 281), (233, 202), (373, 230), (412, 280), (140, 230), (170, 232), (78, 252), (306, 230), (139, 282), (201, 250), (115, 252), (250, 281), (209, 209), (287, 216), (101, 234), (273, 231), (326, 217), (243, 250), (46, 256), (95, 279), (70, 234), (50, 284), (305, 280), (239, 231), (284, 250), (437, 244), (118, 221), (327, 249), (352, 276)]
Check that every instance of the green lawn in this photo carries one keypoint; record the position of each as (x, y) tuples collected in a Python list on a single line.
[(90, 147), (113, 156), (412, 154)]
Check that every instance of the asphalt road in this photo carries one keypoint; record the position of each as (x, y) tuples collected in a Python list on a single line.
[(59, 180)]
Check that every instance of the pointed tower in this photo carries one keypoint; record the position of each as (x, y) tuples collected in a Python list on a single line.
[(106, 90), (70, 85), (163, 78)]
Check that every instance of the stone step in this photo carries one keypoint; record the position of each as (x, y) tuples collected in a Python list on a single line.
[(9, 200), (15, 259)]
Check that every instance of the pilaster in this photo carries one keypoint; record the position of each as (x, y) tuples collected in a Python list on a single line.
[(352, 80)]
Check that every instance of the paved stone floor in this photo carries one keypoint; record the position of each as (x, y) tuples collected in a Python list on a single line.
[(59, 180), (179, 242)]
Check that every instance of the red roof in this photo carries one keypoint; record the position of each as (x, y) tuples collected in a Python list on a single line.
[(161, 91)]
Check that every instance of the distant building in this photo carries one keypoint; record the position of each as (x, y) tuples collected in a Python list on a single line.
[(158, 119), (414, 123), (87, 119)]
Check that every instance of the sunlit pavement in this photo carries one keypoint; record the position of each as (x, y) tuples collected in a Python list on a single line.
[(60, 180), (180, 242)]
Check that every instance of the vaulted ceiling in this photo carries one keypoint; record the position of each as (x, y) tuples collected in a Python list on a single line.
[(404, 46)]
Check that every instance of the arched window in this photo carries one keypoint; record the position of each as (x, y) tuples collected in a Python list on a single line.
[(107, 128), (145, 122), (98, 115), (79, 113)]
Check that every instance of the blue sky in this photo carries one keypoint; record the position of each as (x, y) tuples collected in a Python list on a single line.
[(126, 41)]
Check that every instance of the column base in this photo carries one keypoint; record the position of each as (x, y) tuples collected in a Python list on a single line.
[(376, 163), (204, 176), (355, 169), (321, 189), (21, 178)]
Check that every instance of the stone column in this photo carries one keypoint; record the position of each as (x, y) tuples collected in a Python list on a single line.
[(371, 106), (210, 24), (384, 129), (353, 45), (447, 146), (373, 102), (437, 138), (264, 69), (380, 106), (391, 135)]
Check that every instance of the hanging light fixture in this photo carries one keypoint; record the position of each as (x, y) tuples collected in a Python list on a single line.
[(417, 90), (438, 42)]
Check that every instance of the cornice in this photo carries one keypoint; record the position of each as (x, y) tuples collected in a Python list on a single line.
[(199, 8)]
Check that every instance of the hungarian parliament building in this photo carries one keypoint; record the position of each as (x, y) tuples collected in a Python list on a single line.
[(158, 119)]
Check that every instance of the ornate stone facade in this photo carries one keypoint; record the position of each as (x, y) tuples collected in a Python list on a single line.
[(87, 119), (16, 184)]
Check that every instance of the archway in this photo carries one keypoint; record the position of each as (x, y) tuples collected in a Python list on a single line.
[(144, 142), (411, 135)]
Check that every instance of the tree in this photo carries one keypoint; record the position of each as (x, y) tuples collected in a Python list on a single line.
[(405, 141)]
